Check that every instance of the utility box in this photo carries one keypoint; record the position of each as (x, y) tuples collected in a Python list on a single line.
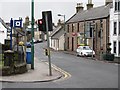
[(28, 54)]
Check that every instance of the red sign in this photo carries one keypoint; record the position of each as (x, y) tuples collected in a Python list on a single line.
[(74, 34)]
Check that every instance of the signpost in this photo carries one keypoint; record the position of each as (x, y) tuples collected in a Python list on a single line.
[(47, 17)]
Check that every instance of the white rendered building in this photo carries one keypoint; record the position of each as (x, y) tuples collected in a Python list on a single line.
[(3, 33), (115, 28)]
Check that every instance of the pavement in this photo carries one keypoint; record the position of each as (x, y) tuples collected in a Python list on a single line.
[(39, 74)]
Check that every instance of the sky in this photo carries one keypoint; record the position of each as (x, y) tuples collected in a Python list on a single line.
[(22, 8)]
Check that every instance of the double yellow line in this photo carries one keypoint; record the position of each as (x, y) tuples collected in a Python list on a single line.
[(65, 74)]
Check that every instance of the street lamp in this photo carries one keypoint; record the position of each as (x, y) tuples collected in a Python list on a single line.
[(64, 30)]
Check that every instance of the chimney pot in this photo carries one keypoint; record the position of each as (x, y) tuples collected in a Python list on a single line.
[(79, 7), (89, 5)]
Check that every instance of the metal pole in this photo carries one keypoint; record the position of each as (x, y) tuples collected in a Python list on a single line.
[(48, 45), (84, 34), (11, 22), (32, 31), (64, 35), (92, 39)]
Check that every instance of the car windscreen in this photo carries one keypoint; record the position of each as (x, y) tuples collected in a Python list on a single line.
[(86, 48)]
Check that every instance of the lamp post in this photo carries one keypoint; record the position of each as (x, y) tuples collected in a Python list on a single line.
[(64, 31)]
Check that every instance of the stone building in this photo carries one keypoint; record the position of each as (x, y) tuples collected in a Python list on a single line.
[(80, 25)]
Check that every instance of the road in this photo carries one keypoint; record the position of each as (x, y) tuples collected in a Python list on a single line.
[(85, 73)]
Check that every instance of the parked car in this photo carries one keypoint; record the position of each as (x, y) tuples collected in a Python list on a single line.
[(39, 40), (85, 51)]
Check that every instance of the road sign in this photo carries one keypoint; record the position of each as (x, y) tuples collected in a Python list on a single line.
[(18, 23)]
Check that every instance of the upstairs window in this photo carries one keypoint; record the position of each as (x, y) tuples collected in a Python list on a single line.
[(119, 27), (73, 27), (68, 28), (119, 47), (117, 5), (77, 27), (115, 28)]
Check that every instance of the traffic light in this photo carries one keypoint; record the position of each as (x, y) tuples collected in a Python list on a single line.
[(48, 15), (46, 52), (40, 24)]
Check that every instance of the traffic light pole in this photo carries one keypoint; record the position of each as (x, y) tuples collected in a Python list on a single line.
[(32, 24), (48, 45)]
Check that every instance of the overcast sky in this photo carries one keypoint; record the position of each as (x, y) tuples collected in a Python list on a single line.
[(22, 8)]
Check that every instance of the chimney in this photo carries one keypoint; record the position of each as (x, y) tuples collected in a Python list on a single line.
[(27, 20), (79, 7), (108, 2), (89, 5), (59, 22)]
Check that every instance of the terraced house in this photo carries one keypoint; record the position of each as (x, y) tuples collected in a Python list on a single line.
[(115, 28), (80, 25)]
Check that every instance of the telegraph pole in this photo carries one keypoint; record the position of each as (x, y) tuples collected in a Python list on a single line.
[(32, 32)]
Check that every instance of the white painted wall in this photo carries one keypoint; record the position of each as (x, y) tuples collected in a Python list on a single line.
[(3, 33), (61, 43), (57, 44), (114, 17)]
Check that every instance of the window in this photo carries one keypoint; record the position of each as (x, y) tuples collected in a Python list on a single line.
[(72, 27), (115, 28), (78, 27), (119, 6), (114, 47), (68, 42), (119, 28), (119, 47), (116, 4), (68, 28)]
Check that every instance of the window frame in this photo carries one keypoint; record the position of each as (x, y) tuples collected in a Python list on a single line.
[(119, 47), (114, 28), (119, 28), (114, 47), (68, 28), (78, 27)]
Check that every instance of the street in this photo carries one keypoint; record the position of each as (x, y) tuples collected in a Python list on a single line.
[(85, 73)]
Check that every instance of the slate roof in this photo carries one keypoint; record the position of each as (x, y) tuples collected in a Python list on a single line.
[(4, 24), (57, 33), (91, 14)]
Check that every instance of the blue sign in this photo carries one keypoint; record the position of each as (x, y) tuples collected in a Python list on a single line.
[(18, 23)]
